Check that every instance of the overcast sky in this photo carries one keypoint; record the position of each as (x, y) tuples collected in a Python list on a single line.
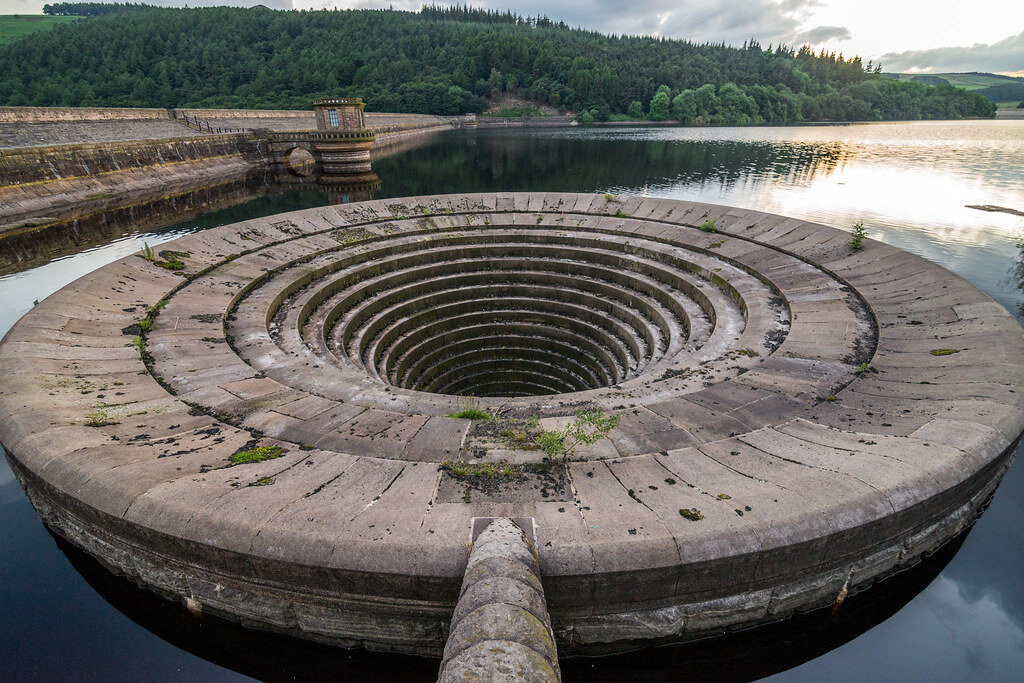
[(906, 35)]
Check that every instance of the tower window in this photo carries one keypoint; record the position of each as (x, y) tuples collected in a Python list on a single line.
[(333, 114)]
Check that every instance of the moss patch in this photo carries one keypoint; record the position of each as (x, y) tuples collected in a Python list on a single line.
[(258, 454), (692, 514), (472, 414)]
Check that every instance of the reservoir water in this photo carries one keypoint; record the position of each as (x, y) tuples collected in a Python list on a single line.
[(957, 617)]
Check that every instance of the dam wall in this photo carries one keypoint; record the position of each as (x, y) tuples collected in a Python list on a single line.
[(44, 188), (28, 165), (68, 169)]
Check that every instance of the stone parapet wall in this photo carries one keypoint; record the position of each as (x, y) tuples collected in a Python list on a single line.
[(46, 114), (248, 113)]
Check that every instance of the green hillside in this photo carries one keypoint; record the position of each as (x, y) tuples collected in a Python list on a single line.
[(444, 61), (1004, 91), (969, 81), (14, 26), (979, 81)]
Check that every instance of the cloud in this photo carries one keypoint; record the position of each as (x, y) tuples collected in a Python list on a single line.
[(1005, 56), (823, 34), (768, 21)]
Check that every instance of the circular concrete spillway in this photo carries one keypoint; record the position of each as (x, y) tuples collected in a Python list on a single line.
[(256, 421)]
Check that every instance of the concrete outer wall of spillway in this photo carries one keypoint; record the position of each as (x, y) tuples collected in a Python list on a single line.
[(255, 420)]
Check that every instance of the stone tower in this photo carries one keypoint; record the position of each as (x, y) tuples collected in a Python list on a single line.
[(339, 113)]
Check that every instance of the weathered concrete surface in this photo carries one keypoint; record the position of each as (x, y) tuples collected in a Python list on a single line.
[(798, 418), (501, 630)]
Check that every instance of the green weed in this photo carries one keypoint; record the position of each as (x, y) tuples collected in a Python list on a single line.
[(857, 236), (258, 454)]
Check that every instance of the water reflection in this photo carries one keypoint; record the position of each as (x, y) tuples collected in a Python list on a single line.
[(83, 227), (87, 230), (957, 637)]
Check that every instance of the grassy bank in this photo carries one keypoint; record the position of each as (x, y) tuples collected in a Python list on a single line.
[(14, 26)]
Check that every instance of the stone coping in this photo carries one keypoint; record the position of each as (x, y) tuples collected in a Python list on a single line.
[(809, 418)]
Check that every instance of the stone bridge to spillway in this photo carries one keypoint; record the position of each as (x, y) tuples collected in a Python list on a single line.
[(271, 420)]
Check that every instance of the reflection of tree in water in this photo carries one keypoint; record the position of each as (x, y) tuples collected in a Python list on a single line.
[(505, 160), (192, 211)]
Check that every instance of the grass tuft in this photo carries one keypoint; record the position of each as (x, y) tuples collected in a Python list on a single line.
[(472, 414)]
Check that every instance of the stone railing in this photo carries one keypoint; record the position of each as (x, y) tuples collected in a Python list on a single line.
[(501, 630)]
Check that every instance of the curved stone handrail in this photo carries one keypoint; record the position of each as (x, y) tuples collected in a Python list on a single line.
[(798, 418), (501, 630)]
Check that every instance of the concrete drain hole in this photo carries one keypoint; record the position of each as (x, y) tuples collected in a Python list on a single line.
[(513, 312)]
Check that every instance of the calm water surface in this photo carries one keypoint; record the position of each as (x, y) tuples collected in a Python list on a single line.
[(909, 183)]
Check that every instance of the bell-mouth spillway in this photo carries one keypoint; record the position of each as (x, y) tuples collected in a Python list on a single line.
[(257, 419)]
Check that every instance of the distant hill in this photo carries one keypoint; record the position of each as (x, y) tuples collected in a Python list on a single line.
[(14, 26), (443, 60), (997, 88)]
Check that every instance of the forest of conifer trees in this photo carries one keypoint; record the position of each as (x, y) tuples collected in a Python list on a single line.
[(443, 61)]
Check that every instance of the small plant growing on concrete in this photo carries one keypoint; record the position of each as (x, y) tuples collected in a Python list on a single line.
[(151, 311), (609, 197), (147, 252), (587, 428), (857, 236), (709, 226), (98, 418), (944, 352), (140, 345), (864, 368)]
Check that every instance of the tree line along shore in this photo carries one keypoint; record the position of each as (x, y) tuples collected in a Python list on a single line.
[(444, 60)]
